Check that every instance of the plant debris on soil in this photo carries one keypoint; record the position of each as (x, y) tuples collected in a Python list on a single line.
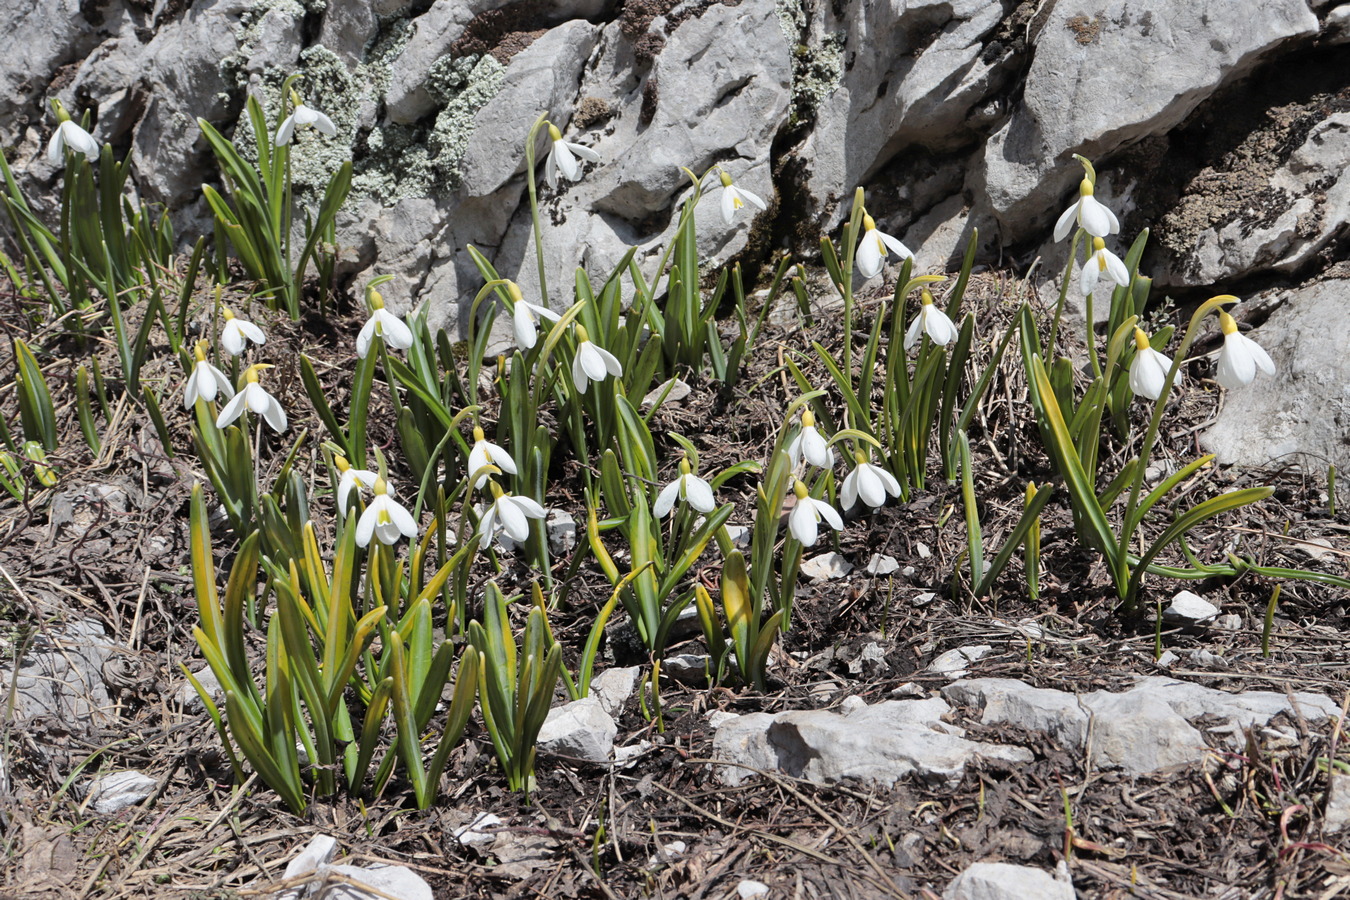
[(1248, 825)]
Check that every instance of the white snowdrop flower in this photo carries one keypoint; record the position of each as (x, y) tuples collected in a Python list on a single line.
[(1148, 372), (508, 515), (875, 247), (734, 198), (869, 482), (804, 520), (237, 333), (1102, 264), (385, 518), (562, 157), (1089, 214), (485, 453), (68, 134), (385, 325), (303, 116), (687, 487), (932, 322), (205, 381), (810, 445), (1240, 357), (256, 400), (525, 317), (353, 479), (592, 363)]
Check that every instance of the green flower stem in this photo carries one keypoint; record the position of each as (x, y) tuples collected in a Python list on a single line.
[(1155, 421), (854, 222), (530, 142), (1063, 296)]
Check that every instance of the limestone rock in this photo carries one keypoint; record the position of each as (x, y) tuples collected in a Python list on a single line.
[(1189, 609), (581, 730), (826, 567), (874, 745), (953, 663), (1003, 881), (117, 791), (1104, 79), (1304, 408), (61, 675), (613, 687)]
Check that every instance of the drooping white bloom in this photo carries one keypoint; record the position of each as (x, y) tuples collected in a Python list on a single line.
[(205, 381), (687, 487), (353, 479), (68, 134), (875, 247), (1148, 372), (804, 520), (385, 518), (389, 327), (810, 444), (733, 198), (1102, 264), (562, 157), (257, 400), (869, 482), (237, 333), (486, 453), (592, 363), (507, 515), (303, 117), (932, 322), (525, 317), (1089, 213), (1240, 357)]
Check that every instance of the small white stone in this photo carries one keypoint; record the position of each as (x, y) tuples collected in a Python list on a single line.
[(479, 830), (925, 598), (562, 531), (613, 687), (747, 889), (1168, 659), (953, 663), (826, 566), (117, 791), (739, 534), (880, 564), (1338, 804), (1230, 622), (678, 391), (719, 717), (922, 549), (908, 571), (852, 705), (191, 701), (1189, 609)]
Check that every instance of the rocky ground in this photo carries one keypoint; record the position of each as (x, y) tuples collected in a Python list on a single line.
[(914, 742)]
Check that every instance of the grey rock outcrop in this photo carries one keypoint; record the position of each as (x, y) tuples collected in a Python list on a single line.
[(1302, 414)]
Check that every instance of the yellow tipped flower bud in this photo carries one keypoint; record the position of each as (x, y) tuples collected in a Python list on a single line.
[(376, 300), (1098, 244), (501, 366), (199, 351), (685, 468), (381, 486), (496, 490), (227, 313), (808, 419), (341, 462), (925, 297), (1141, 340), (296, 99), (513, 291), (553, 133), (859, 456)]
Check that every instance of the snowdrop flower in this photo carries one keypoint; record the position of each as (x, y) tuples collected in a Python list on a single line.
[(353, 479), (256, 399), (486, 453), (384, 324), (1240, 357), (687, 487), (303, 117), (803, 521), (68, 134), (237, 333), (1090, 214), (932, 322), (876, 247), (871, 483), (508, 515), (1102, 264), (561, 158), (525, 317), (1148, 372), (205, 381), (733, 198), (592, 363), (810, 445), (385, 518)]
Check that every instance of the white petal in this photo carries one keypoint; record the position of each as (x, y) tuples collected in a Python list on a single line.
[(665, 501), (794, 449), (365, 527), (699, 493), (871, 255), (251, 331), (579, 377), (192, 391), (529, 507), (1148, 374), (283, 137), (231, 339), (870, 488), (1096, 218), (231, 411), (543, 311), (729, 204), (478, 457), (324, 124), (888, 480), (522, 322), (595, 365), (565, 161), (403, 519), (939, 326), (612, 364), (1263, 360), (829, 513), (1092, 270), (550, 171), (365, 337), (303, 115), (257, 399), (501, 459), (802, 522), (346, 484), (848, 494), (1115, 268), (79, 140), (585, 153), (396, 334), (751, 198), (55, 148), (514, 523), (895, 246), (915, 329), (815, 449), (222, 383), (1066, 222), (275, 416), (489, 526)]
